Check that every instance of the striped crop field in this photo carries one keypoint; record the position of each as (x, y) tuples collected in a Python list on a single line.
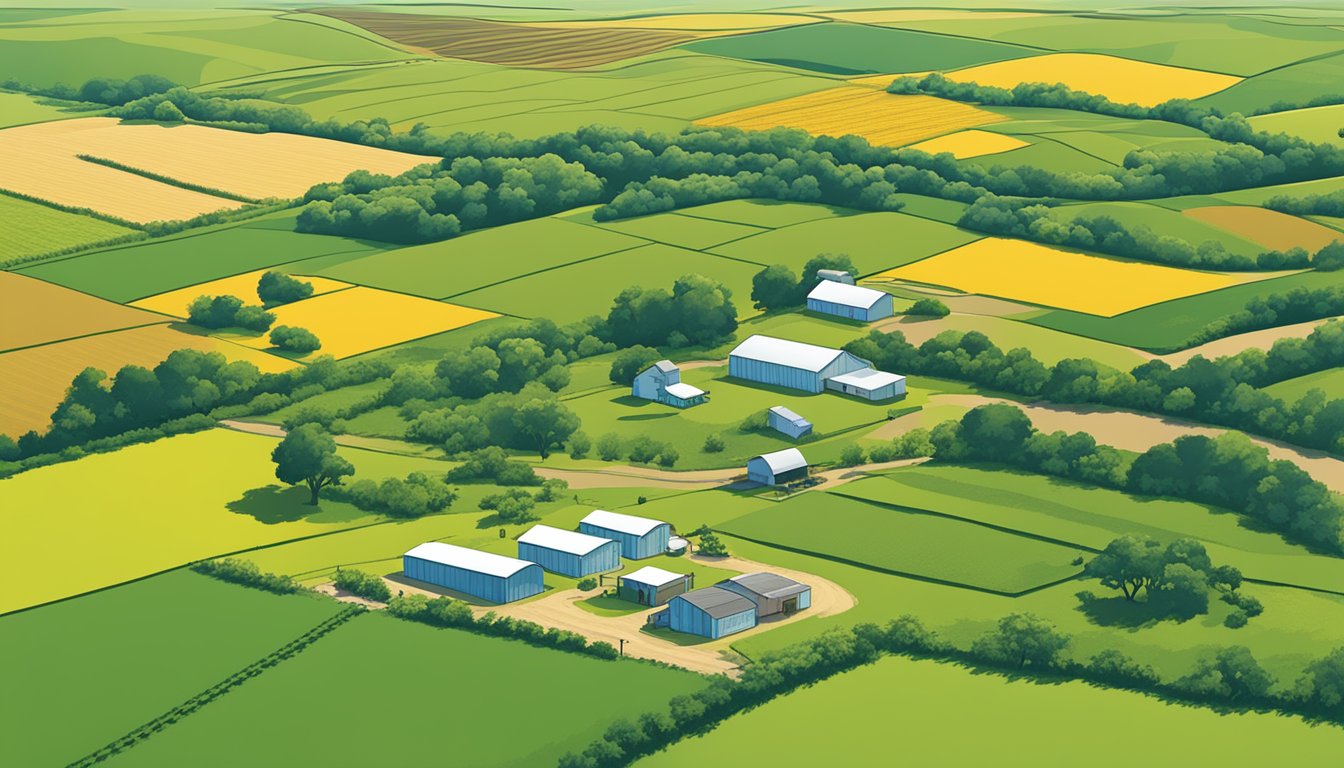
[(881, 118)]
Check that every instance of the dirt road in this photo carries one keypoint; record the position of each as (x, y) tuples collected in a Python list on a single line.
[(623, 476)]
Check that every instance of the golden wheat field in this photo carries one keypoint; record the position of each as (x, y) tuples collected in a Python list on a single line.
[(1120, 80), (243, 286), (36, 312), (1271, 229), (879, 117), (970, 143), (360, 319), (35, 379), (1039, 274)]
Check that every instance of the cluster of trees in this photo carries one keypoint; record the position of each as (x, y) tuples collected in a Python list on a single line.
[(362, 584), (928, 307), (711, 545), (276, 288), (531, 419), (1296, 306), (513, 505), (101, 90), (293, 338), (228, 312), (697, 311), (1326, 204), (446, 612), (246, 573), (1176, 579), (416, 496), (492, 465), (1033, 220), (908, 445), (777, 287), (641, 450)]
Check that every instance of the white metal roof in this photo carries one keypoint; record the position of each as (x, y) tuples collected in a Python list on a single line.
[(635, 526), (468, 559), (666, 366), (654, 577), (683, 391), (867, 378), (794, 354), (789, 415), (846, 294), (835, 274), (559, 539), (784, 461)]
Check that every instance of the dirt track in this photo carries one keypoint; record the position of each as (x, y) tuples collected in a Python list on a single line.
[(623, 476)]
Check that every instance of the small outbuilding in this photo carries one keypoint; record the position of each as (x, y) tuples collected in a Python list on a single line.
[(711, 613), (836, 275), (792, 364), (486, 575), (777, 468), (653, 586), (853, 302), (785, 421), (639, 537), (569, 553), (770, 592), (869, 384), (661, 382)]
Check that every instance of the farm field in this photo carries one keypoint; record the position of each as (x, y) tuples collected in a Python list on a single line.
[(40, 313), (582, 697), (1320, 124), (1328, 382), (970, 143), (38, 230), (1120, 80), (1046, 344), (242, 286), (21, 109), (1052, 722), (1004, 268), (68, 697), (1271, 229)]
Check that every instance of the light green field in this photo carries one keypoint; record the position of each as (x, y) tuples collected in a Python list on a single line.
[(918, 545), (158, 643), (22, 109), (1044, 725), (675, 229), (1319, 124), (400, 676), (1047, 345), (1047, 153), (770, 214), (1104, 138), (32, 229), (1164, 221), (1330, 382), (1295, 84)]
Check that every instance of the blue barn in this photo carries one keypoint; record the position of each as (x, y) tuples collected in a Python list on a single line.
[(792, 364), (785, 421), (850, 301), (569, 553), (711, 613), (639, 537), (488, 576)]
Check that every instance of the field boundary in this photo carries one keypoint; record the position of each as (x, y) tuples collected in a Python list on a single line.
[(169, 180)]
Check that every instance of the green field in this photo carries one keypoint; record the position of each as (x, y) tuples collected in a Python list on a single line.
[(1046, 344), (397, 677), (1319, 124), (1107, 140), (1165, 221), (1330, 382), (1047, 153), (918, 545), (1295, 83), (33, 229), (1045, 725), (22, 109), (82, 673)]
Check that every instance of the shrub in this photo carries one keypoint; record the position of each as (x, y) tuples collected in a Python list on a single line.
[(711, 545), (713, 444), (292, 338), (492, 464), (247, 573), (512, 506), (551, 490), (668, 456), (361, 584), (1236, 619), (416, 496), (579, 445), (279, 288), (928, 307), (587, 584), (609, 447), (851, 456)]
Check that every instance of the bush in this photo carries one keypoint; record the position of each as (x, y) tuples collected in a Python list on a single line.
[(361, 584), (416, 496), (851, 456), (228, 312), (551, 490), (493, 465), (512, 506), (246, 573), (292, 338), (667, 457), (1236, 619), (756, 422), (279, 288), (447, 612), (713, 444), (587, 584), (711, 545), (928, 307), (579, 445), (609, 447), (631, 362)]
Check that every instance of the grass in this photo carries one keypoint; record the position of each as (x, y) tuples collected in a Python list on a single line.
[(1191, 228), (1297, 82), (1054, 722), (21, 109), (159, 642), (1121, 80), (1318, 124), (1328, 381), (923, 546), (675, 229), (770, 214), (1046, 344)]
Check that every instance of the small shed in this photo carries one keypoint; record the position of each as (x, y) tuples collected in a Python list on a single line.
[(569, 553), (639, 537), (869, 384), (653, 586), (770, 592), (661, 382), (850, 301), (486, 575), (777, 468), (835, 275), (711, 613), (783, 420)]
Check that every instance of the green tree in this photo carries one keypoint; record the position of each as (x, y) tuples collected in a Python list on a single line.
[(546, 422), (1321, 685), (712, 545), (1129, 564), (1022, 639), (579, 445), (851, 455), (1232, 674), (292, 338), (1183, 591), (928, 307), (276, 287), (630, 362), (167, 112), (996, 432), (470, 374), (609, 447), (808, 279), (775, 287), (308, 455)]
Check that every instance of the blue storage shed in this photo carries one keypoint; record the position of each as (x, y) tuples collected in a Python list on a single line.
[(711, 613), (639, 537), (850, 301), (567, 552), (486, 575), (777, 468), (770, 592), (792, 364), (785, 421), (869, 384)]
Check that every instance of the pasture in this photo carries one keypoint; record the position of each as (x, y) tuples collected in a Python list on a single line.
[(67, 696), (405, 692), (1053, 724), (242, 286), (918, 545), (34, 230), (880, 117), (37, 313), (1121, 80), (1318, 124), (1329, 382), (970, 143), (1046, 344), (21, 109), (1024, 271)]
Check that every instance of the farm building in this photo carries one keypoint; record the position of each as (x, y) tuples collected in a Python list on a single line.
[(783, 420), (868, 384), (771, 593), (849, 301), (661, 382), (777, 468), (488, 576), (639, 537), (653, 586), (711, 613), (784, 363), (567, 552), (836, 275)]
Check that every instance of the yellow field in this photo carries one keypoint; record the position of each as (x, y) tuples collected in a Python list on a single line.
[(879, 117), (33, 312), (361, 319), (970, 144), (34, 380), (1039, 274), (243, 286), (1121, 80)]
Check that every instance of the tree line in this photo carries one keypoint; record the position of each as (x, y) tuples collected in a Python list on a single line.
[(447, 612)]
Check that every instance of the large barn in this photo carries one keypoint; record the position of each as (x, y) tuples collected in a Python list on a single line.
[(486, 575), (569, 553), (711, 613), (777, 468), (792, 364), (770, 592), (849, 301), (639, 537), (653, 586)]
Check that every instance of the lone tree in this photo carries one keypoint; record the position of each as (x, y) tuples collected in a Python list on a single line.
[(292, 338), (1022, 639), (547, 422), (279, 288), (308, 455)]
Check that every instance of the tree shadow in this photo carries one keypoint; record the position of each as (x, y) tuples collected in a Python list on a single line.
[(272, 504), (1117, 612)]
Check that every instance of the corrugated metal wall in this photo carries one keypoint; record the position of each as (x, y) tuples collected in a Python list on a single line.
[(759, 472), (633, 547), (496, 589), (605, 558), (770, 373), (685, 617)]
